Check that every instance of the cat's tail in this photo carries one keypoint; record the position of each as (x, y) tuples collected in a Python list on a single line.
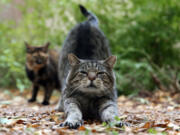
[(91, 17)]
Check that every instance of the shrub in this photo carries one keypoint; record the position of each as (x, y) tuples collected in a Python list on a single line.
[(143, 34)]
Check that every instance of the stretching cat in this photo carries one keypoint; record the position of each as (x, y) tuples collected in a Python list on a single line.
[(86, 73), (41, 69)]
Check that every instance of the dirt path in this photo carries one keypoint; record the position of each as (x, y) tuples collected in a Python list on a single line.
[(155, 114)]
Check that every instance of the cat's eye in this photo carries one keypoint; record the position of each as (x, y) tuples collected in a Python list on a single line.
[(83, 72), (30, 51), (101, 73)]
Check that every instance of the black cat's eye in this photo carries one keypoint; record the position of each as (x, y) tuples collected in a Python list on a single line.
[(83, 72), (30, 51)]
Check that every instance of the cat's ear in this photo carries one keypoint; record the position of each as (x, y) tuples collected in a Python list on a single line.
[(28, 47), (110, 61), (46, 47), (73, 59), (26, 44)]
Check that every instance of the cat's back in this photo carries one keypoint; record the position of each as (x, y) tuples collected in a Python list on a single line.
[(54, 55), (86, 42)]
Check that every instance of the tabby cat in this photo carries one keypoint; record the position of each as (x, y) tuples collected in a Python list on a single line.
[(41, 69), (86, 75)]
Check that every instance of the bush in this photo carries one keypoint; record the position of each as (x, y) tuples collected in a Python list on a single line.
[(143, 34)]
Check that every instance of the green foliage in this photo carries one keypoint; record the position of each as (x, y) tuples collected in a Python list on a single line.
[(152, 131), (143, 34), (146, 43)]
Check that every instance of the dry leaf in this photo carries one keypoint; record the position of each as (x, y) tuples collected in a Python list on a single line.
[(147, 125), (20, 122), (20, 117), (82, 128)]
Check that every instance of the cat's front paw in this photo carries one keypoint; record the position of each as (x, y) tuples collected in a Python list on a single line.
[(72, 124), (45, 103), (31, 100)]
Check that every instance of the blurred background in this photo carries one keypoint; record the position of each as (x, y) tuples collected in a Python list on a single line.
[(144, 34)]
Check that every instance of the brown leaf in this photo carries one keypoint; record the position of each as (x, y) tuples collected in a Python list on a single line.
[(65, 131), (82, 128), (136, 130), (146, 125), (93, 130), (4, 106), (177, 120), (160, 125), (35, 125), (168, 128), (20, 122), (55, 118), (167, 121)]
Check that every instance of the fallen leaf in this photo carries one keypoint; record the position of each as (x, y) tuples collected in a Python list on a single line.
[(147, 125), (20, 121), (82, 128), (35, 125), (177, 120), (93, 130)]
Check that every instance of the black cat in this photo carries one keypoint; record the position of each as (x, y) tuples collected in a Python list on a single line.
[(41, 69)]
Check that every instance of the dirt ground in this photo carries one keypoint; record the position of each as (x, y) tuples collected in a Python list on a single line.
[(155, 113)]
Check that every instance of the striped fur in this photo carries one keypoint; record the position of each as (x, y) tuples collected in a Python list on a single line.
[(86, 75)]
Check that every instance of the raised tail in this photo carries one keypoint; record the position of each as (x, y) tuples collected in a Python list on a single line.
[(91, 17)]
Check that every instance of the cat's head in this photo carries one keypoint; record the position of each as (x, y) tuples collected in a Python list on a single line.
[(36, 56), (91, 76)]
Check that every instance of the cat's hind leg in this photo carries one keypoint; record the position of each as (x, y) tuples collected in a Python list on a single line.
[(47, 95), (34, 93)]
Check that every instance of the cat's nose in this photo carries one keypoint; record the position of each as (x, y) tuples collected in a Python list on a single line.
[(91, 76), (38, 61)]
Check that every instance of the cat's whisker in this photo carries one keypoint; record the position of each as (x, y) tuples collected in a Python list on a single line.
[(74, 90)]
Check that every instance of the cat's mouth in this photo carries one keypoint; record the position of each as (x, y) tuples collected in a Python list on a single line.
[(91, 85)]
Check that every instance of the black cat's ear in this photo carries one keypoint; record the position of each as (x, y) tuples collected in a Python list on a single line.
[(46, 47), (28, 47), (110, 61), (73, 59), (26, 44)]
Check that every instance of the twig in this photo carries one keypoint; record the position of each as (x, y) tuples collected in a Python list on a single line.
[(158, 82)]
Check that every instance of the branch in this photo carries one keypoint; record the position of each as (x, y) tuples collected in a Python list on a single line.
[(158, 82)]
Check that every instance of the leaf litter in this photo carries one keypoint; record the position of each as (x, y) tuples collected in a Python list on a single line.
[(157, 113)]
